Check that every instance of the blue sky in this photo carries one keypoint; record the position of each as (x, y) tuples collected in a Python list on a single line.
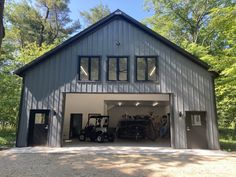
[(134, 8)]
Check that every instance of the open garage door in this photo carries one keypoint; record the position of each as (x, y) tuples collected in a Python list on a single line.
[(134, 119), (142, 121)]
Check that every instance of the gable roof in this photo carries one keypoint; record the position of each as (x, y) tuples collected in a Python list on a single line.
[(116, 14)]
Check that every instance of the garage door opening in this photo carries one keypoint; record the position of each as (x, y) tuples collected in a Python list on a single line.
[(140, 121), (134, 119)]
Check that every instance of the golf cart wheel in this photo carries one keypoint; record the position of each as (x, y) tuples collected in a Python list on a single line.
[(100, 139), (82, 137)]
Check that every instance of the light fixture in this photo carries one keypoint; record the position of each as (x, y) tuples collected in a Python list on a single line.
[(151, 73), (137, 104), (155, 103), (118, 43), (118, 12), (180, 114), (119, 103), (83, 70)]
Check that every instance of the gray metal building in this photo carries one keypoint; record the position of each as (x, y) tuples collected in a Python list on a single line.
[(182, 77)]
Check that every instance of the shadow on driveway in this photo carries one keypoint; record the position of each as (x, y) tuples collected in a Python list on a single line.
[(109, 165)]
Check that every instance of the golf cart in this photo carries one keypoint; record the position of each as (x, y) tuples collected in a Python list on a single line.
[(96, 129)]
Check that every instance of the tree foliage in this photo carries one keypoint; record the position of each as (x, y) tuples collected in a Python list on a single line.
[(31, 51), (206, 28), (9, 87), (42, 22), (32, 28), (96, 13), (2, 30)]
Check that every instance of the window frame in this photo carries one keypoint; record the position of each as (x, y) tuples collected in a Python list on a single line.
[(90, 57), (146, 68), (117, 68)]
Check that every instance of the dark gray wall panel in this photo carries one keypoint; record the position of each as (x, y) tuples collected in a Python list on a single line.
[(190, 84)]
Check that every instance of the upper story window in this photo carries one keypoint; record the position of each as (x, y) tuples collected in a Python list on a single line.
[(146, 68), (89, 68), (117, 68)]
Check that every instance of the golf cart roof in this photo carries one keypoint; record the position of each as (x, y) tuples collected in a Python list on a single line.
[(135, 120), (98, 116)]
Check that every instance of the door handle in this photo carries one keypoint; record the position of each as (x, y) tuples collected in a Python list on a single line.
[(188, 129)]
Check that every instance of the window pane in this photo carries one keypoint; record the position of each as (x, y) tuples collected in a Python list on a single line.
[(196, 120), (84, 74), (39, 118), (112, 69), (141, 65), (94, 69), (123, 69), (152, 69)]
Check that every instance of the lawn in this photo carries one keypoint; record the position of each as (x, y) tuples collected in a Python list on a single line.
[(7, 137), (227, 139)]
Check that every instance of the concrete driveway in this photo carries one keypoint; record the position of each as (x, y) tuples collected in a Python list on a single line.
[(109, 161)]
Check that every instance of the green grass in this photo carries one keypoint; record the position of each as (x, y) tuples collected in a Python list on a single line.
[(227, 139), (7, 137)]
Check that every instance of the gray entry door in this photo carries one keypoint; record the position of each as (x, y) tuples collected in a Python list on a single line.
[(38, 128), (196, 130)]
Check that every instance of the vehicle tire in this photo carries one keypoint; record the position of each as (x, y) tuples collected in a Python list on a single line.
[(100, 139), (82, 137)]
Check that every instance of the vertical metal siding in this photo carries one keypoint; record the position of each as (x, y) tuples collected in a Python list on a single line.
[(190, 84)]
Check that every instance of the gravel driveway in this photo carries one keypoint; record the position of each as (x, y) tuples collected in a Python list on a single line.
[(59, 162)]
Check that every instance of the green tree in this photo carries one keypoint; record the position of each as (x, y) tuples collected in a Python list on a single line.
[(179, 19), (2, 31), (208, 30), (43, 21), (10, 84), (95, 14), (224, 48), (31, 30), (9, 87), (32, 51)]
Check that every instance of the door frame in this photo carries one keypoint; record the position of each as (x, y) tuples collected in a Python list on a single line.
[(206, 134), (71, 118), (171, 105), (172, 120), (31, 128)]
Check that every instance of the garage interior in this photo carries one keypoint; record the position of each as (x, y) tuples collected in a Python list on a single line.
[(134, 119)]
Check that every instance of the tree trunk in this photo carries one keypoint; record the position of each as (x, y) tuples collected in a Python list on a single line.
[(41, 39), (2, 30)]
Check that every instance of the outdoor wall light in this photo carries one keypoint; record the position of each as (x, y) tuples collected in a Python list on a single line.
[(119, 103), (137, 104), (155, 104), (54, 112), (180, 114), (118, 43)]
